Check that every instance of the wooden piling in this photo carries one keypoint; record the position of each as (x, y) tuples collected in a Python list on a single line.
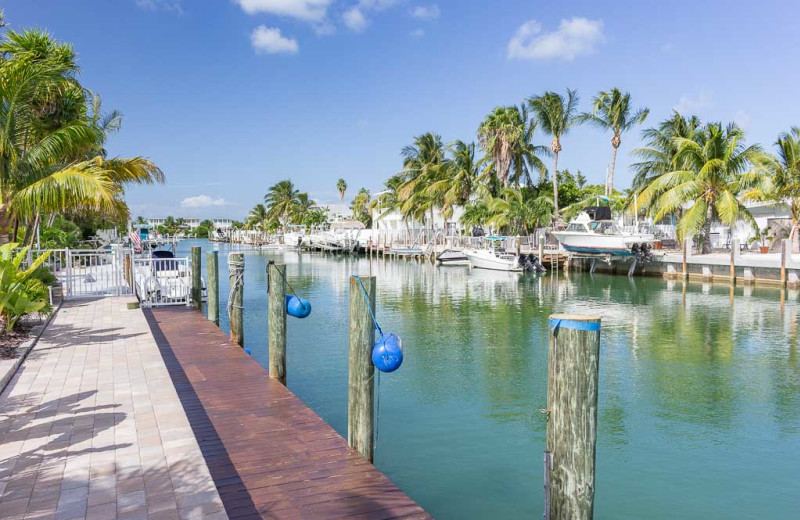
[(212, 275), (786, 249), (360, 394), (573, 363), (197, 282), (687, 244), (236, 298), (734, 254), (276, 316)]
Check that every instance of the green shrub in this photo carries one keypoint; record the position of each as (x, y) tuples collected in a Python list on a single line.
[(21, 291)]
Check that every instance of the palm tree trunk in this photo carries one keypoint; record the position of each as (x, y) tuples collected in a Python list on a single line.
[(795, 235), (15, 232), (610, 182), (4, 220), (707, 230), (555, 187)]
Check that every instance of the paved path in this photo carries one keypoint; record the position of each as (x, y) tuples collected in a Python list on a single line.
[(91, 426), (270, 455)]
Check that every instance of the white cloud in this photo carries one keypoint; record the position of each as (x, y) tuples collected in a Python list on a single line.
[(742, 119), (430, 12), (574, 37), (201, 201), (308, 10), (324, 28), (354, 19), (417, 33), (269, 40), (160, 5), (377, 5), (690, 103)]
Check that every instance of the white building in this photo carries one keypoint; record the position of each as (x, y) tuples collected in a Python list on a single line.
[(191, 223)]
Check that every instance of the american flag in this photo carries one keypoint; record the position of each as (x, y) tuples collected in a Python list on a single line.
[(136, 240)]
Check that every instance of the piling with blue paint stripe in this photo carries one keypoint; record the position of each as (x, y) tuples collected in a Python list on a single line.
[(572, 378)]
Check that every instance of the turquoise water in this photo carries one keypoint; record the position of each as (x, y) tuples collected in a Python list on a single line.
[(699, 407)]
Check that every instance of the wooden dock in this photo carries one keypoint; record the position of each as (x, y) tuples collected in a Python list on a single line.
[(270, 456)]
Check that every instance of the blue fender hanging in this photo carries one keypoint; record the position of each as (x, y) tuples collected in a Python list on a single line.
[(387, 353), (297, 307)]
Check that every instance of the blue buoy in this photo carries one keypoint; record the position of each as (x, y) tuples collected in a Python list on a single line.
[(297, 307), (247, 351), (387, 354)]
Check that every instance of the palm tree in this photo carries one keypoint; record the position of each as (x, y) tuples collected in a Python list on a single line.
[(341, 187), (520, 210), (555, 115), (659, 153), (461, 180), (256, 217), (304, 206), (785, 181), (714, 169), (499, 134), (281, 200), (140, 220), (51, 149), (612, 111), (424, 164)]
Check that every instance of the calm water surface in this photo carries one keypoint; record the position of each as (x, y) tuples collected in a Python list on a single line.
[(699, 388)]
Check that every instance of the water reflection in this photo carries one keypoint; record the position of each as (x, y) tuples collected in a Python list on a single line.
[(694, 378)]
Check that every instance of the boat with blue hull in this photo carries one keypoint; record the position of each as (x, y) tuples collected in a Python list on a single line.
[(593, 232)]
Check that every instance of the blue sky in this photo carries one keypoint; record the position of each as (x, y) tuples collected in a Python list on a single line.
[(231, 96)]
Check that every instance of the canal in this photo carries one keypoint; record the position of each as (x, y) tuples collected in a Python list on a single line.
[(699, 406)]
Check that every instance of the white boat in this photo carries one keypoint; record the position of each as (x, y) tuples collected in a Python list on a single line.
[(593, 232), (450, 257), (493, 257), (163, 279)]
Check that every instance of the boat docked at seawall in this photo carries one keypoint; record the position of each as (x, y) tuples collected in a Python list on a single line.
[(162, 279), (451, 257), (593, 232), (494, 257)]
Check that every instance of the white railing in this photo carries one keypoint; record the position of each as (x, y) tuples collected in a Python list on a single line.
[(162, 281), (87, 273)]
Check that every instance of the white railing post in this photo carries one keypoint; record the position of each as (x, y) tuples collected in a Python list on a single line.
[(68, 261)]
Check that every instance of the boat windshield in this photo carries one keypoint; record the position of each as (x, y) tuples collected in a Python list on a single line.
[(580, 228), (605, 228)]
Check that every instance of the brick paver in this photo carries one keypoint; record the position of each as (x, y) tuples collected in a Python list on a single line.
[(91, 426)]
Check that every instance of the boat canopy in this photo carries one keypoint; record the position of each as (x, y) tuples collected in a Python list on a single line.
[(598, 212)]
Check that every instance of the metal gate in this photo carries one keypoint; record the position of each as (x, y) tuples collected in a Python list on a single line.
[(87, 273)]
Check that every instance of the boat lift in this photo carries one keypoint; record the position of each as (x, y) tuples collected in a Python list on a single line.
[(607, 258)]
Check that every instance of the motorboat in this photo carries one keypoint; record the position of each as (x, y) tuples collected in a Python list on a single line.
[(593, 232), (163, 279), (494, 257), (450, 257)]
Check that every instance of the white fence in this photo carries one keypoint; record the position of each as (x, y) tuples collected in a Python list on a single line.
[(87, 273)]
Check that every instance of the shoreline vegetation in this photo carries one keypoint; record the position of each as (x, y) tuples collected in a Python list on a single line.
[(57, 181), (695, 172)]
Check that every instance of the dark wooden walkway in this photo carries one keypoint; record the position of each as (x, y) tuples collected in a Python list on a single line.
[(270, 456)]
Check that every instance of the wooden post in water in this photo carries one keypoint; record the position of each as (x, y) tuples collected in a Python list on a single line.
[(276, 316), (360, 394), (786, 250), (687, 245), (572, 369), (236, 298), (197, 283), (734, 255), (212, 275)]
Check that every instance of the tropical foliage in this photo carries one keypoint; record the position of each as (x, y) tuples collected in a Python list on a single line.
[(711, 173), (53, 135), (612, 111), (21, 291), (284, 205)]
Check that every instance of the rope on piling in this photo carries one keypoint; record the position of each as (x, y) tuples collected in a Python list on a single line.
[(235, 268)]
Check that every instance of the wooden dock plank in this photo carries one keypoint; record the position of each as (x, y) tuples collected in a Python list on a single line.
[(269, 454)]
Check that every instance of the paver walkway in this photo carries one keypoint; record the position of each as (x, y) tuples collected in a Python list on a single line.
[(91, 426)]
